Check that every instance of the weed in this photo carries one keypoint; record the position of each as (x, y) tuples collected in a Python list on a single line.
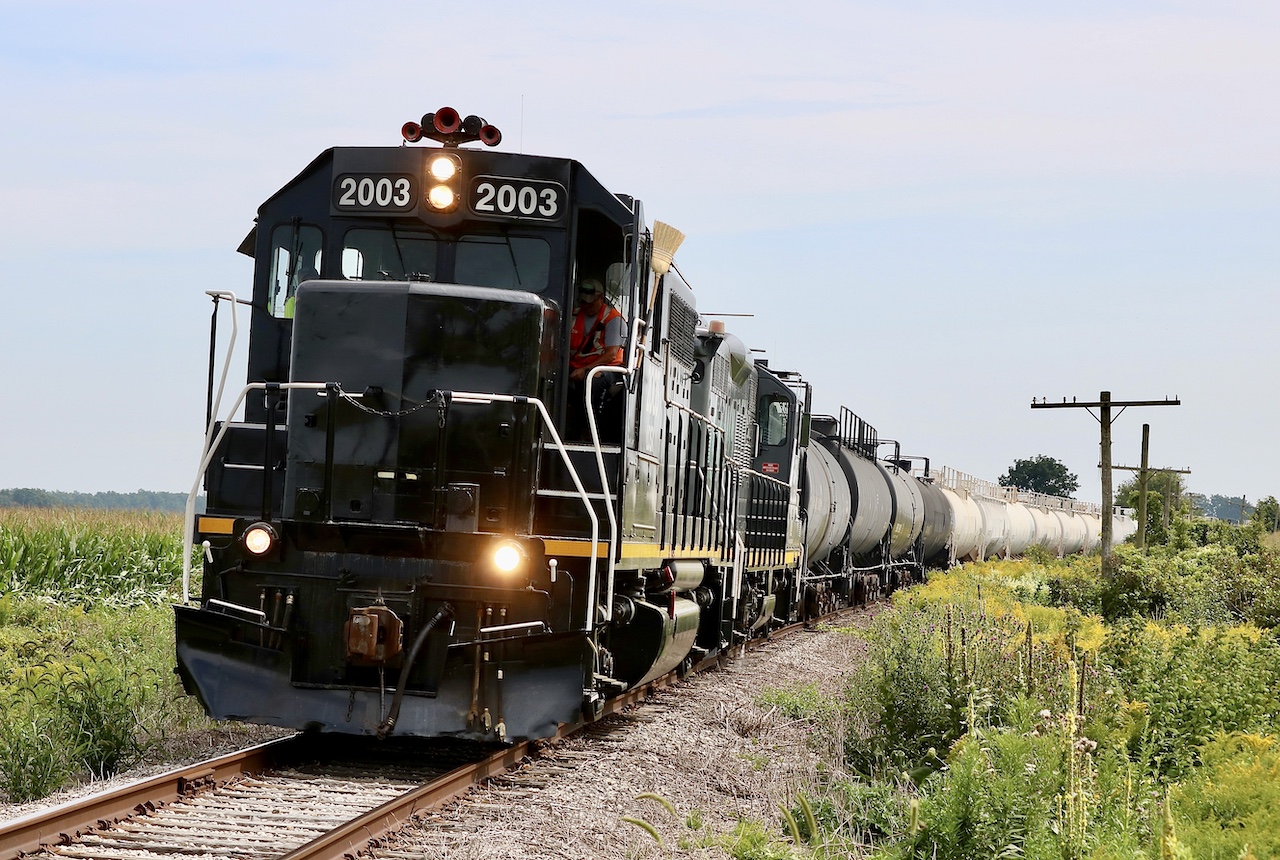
[(32, 760), (751, 840)]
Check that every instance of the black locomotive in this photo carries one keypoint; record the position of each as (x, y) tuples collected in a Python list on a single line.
[(419, 525)]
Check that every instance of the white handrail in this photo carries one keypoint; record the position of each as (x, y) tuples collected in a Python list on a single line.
[(188, 528), (211, 445), (206, 457), (604, 480)]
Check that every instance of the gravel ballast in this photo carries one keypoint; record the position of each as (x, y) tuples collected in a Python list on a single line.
[(708, 746)]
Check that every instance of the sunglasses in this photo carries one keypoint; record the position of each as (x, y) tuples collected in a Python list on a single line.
[(588, 292)]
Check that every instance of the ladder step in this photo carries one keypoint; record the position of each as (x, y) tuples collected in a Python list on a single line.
[(582, 446), (573, 494)]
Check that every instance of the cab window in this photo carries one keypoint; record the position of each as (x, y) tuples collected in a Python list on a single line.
[(296, 251), (386, 255), (507, 262), (774, 417)]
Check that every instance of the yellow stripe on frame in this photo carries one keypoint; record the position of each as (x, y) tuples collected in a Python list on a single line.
[(214, 525), (582, 549)]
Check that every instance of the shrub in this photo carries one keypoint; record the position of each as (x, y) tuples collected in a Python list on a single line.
[(1232, 802), (1191, 686)]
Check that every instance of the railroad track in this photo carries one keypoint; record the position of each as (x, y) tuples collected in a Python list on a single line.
[(263, 803), (267, 802)]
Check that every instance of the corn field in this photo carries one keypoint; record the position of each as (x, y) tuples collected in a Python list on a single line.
[(90, 556)]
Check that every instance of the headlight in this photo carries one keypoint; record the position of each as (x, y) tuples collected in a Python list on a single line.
[(441, 197), (508, 557), (442, 168), (259, 539)]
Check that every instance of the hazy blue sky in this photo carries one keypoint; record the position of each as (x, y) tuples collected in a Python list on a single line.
[(936, 213)]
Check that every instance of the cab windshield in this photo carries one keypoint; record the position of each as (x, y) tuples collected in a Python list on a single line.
[(506, 262)]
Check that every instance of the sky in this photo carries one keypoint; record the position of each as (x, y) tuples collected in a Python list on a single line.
[(934, 211)]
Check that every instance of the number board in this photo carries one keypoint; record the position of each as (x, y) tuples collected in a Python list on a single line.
[(364, 192), (507, 197)]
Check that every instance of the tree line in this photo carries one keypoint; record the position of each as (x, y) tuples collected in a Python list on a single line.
[(140, 500)]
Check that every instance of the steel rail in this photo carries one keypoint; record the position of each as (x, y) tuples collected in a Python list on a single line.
[(352, 838), (63, 823)]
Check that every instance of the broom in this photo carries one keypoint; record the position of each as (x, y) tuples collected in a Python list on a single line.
[(666, 239)]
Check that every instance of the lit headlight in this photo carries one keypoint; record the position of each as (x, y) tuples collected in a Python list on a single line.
[(259, 538), (508, 557), (442, 168), (441, 197)]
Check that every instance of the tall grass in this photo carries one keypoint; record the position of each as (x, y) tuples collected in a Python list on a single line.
[(998, 716), (72, 555), (86, 644)]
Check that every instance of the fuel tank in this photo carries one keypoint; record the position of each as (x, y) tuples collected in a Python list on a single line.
[(1073, 531), (1024, 527), (995, 527), (1092, 532)]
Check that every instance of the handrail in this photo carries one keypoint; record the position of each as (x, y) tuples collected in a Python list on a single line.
[(188, 527), (604, 479), (211, 446), (474, 397), (206, 457)]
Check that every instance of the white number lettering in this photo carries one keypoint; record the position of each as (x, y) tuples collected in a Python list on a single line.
[(548, 206), (364, 192), (486, 192), (402, 192), (384, 192), (506, 198), (348, 197), (528, 200)]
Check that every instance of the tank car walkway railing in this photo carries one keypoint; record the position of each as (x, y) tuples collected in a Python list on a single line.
[(953, 479)]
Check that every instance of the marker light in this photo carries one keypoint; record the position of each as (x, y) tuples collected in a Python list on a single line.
[(259, 538), (441, 197), (442, 168), (508, 557)]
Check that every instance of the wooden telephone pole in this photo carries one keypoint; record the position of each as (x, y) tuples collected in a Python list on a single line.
[(1104, 405), (1144, 475)]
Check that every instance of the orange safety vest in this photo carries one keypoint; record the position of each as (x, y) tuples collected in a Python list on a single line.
[(585, 355)]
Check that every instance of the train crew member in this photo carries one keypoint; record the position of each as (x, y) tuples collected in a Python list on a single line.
[(596, 339)]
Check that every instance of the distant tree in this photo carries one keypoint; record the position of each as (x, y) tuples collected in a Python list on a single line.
[(1041, 474), (1268, 514), (1233, 509), (1165, 492), (27, 497)]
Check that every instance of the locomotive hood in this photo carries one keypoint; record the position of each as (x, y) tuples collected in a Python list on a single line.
[(411, 338), (403, 353)]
